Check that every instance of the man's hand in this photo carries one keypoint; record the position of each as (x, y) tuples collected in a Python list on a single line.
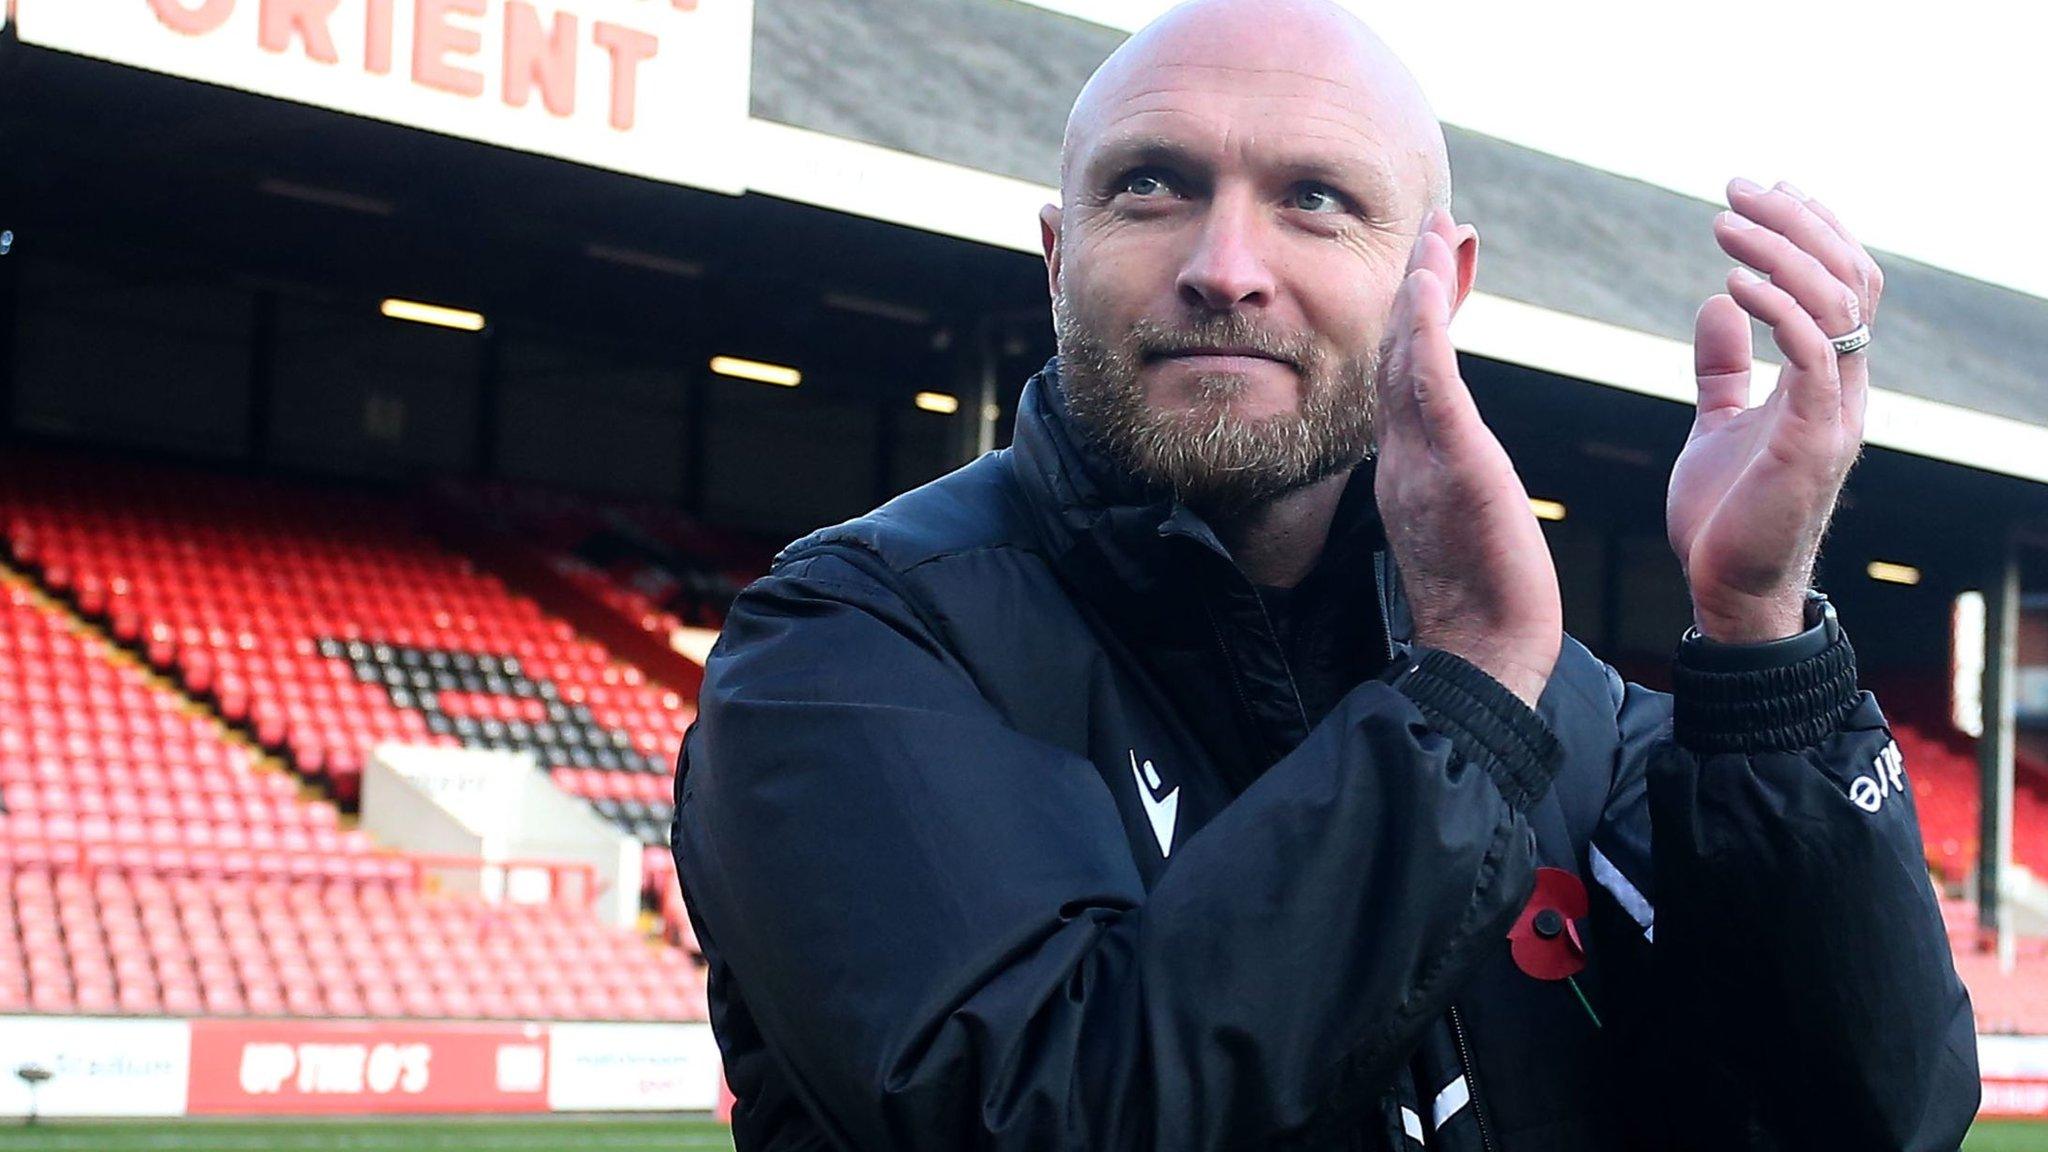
[(1752, 491), (1473, 559)]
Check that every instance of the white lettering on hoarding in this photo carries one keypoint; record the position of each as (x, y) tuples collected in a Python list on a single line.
[(2014, 1098), (331, 1068), (265, 1067), (335, 1069)]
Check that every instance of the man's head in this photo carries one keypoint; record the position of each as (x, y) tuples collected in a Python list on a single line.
[(1241, 183)]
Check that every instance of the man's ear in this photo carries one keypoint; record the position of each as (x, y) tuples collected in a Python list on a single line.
[(1049, 239), (1466, 258)]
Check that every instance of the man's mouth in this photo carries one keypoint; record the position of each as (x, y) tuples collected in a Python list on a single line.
[(1218, 355)]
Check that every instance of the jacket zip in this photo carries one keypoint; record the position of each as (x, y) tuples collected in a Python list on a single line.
[(1379, 587), (1471, 1078), (1229, 662), (1273, 634)]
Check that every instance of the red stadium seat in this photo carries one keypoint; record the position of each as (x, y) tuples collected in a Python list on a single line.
[(215, 888)]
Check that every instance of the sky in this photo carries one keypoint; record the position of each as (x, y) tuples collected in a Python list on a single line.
[(1919, 124)]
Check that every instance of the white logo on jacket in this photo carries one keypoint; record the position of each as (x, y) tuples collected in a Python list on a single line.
[(1160, 810), (1868, 793)]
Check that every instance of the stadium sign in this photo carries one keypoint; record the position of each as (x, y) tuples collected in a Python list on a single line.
[(98, 1067), (2015, 1072), (632, 1068), (304, 1067), (654, 88)]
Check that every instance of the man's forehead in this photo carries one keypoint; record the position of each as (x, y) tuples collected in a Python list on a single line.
[(1217, 116), (1233, 77)]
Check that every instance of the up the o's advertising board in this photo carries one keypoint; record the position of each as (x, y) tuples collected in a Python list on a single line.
[(656, 88), (302, 1067)]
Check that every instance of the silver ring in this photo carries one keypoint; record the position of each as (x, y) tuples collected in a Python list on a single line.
[(1851, 341)]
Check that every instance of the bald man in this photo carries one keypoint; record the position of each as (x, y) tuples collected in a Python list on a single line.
[(1209, 769)]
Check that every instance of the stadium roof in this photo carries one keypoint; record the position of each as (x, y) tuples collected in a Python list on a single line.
[(1582, 272), (945, 116)]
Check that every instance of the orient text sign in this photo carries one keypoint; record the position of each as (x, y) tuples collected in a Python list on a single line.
[(656, 88)]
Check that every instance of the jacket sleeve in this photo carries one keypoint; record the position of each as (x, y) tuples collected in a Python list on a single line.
[(938, 929), (1796, 988)]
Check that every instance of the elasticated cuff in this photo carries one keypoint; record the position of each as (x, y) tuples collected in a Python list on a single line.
[(1786, 708), (1485, 722)]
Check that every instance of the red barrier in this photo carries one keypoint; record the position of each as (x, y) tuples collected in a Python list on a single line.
[(302, 1067), (566, 882), (2014, 1098)]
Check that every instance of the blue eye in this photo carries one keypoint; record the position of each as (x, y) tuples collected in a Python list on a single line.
[(1145, 184), (1316, 198)]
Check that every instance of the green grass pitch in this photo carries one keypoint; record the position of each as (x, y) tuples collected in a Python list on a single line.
[(553, 1134), (2008, 1136)]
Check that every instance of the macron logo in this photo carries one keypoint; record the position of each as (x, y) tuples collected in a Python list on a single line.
[(1161, 810), (1868, 793)]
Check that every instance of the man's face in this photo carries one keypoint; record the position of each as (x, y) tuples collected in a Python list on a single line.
[(1227, 255)]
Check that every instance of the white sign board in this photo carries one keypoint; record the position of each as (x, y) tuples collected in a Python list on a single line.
[(97, 1067), (632, 1067), (2013, 1057), (481, 789), (655, 88), (495, 808)]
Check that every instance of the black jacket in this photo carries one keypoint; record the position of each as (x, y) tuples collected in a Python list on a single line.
[(1015, 817)]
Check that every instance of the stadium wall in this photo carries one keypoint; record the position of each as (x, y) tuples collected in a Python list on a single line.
[(218, 1067), (105, 1067)]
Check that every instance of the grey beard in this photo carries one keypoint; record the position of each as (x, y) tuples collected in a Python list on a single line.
[(1219, 464)]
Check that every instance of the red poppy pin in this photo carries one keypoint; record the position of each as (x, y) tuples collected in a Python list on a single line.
[(1545, 939)]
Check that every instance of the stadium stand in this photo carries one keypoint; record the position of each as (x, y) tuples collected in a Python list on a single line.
[(99, 767), (109, 941), (152, 864), (156, 857), (326, 622), (655, 567), (2009, 1003), (2005, 1002), (1943, 766), (651, 571)]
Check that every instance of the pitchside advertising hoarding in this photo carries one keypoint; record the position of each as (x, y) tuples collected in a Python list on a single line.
[(226, 1067), (305, 1067), (2015, 1071), (629, 1068), (141, 1067), (97, 1067), (654, 88)]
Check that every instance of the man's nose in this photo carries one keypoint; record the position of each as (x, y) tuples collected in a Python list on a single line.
[(1227, 268)]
